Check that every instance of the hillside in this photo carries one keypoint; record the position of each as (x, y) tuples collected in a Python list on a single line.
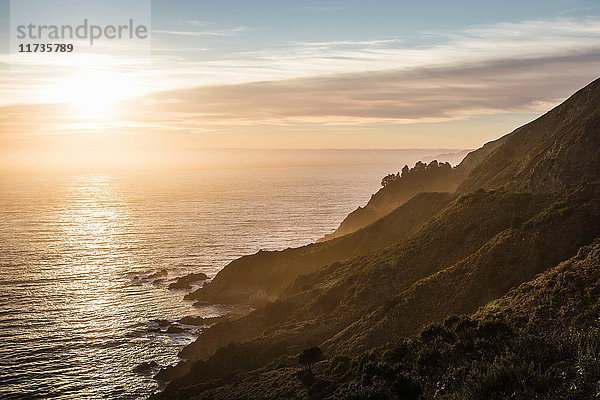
[(522, 209), (537, 342), (396, 210), (556, 151), (432, 177)]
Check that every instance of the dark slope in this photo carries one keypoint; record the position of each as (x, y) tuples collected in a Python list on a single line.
[(564, 297), (513, 256), (319, 305), (537, 342), (262, 277), (476, 249), (353, 307)]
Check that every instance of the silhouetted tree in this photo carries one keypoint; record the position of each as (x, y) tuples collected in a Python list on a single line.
[(309, 357), (389, 178), (405, 170), (434, 170)]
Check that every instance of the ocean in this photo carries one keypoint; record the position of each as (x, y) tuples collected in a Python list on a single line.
[(77, 315)]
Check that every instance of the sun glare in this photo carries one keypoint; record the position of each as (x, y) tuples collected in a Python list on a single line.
[(94, 96)]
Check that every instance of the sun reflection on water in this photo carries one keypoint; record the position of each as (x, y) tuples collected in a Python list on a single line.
[(81, 313), (74, 322), (92, 218)]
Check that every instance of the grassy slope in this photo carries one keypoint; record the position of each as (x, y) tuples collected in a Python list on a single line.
[(556, 151), (318, 306), (511, 257), (539, 341), (261, 277)]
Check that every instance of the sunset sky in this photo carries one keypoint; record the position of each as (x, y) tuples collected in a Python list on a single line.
[(283, 74)]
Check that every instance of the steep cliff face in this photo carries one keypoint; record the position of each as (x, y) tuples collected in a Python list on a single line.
[(541, 207), (393, 212)]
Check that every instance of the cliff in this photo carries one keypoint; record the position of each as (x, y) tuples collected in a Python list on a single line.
[(395, 211), (539, 341)]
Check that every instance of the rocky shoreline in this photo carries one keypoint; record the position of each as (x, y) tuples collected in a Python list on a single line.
[(191, 325)]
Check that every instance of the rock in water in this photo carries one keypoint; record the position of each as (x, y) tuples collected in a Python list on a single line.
[(185, 281), (160, 274), (145, 366), (175, 329)]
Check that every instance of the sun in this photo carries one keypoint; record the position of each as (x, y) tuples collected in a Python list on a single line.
[(93, 95)]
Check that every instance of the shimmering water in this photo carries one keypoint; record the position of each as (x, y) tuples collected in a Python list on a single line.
[(73, 321)]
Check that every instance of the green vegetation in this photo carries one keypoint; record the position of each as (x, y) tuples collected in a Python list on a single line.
[(478, 358)]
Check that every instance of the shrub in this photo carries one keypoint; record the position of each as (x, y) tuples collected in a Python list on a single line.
[(375, 392), (373, 370), (340, 365), (434, 333), (309, 357), (494, 328), (506, 378), (398, 353), (428, 359)]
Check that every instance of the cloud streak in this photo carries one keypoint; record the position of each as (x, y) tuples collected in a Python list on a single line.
[(231, 32), (423, 94), (481, 44)]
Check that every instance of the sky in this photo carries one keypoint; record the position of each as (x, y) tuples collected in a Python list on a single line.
[(289, 74)]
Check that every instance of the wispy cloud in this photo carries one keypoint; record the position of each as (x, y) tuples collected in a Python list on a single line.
[(525, 40), (510, 67), (230, 32), (529, 85)]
